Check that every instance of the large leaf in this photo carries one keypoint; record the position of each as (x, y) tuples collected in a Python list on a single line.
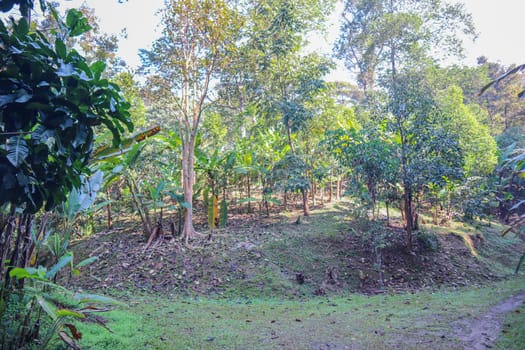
[(87, 261), (17, 150), (66, 259), (106, 152), (503, 77), (95, 298), (69, 313), (19, 273), (69, 341), (49, 308), (77, 23)]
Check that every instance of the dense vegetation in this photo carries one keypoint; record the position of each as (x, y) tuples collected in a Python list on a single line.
[(236, 123)]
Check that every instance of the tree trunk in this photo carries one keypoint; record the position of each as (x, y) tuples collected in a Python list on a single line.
[(108, 209), (314, 192), (387, 214), (408, 218), (289, 136), (338, 192), (249, 194), (306, 208), (330, 189), (188, 231), (144, 217)]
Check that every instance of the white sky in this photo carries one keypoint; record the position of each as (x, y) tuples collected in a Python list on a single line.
[(499, 24)]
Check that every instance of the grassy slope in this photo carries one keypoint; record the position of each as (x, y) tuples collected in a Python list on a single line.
[(241, 291)]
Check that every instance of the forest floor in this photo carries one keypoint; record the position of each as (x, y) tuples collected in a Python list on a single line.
[(269, 262)]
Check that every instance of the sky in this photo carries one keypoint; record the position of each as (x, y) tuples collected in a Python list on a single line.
[(499, 24)]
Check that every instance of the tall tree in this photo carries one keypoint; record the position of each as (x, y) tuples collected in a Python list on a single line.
[(385, 35), (195, 45), (429, 151)]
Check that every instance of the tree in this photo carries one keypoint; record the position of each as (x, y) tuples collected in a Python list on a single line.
[(195, 43), (131, 92), (386, 35), (477, 146), (370, 156), (290, 174), (50, 102), (428, 150), (51, 99)]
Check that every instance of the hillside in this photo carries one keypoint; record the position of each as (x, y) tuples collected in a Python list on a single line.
[(327, 253)]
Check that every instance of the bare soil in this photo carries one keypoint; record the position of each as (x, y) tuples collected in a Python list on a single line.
[(326, 253), (481, 332)]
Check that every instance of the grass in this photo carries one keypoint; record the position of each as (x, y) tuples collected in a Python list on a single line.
[(496, 252), (403, 321), (248, 296), (513, 333)]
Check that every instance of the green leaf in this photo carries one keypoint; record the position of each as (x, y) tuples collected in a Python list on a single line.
[(64, 260), (522, 258), (60, 49), (274, 201), (20, 273), (69, 313), (47, 307), (5, 99), (98, 68), (76, 23), (23, 97), (87, 261), (246, 200), (17, 150)]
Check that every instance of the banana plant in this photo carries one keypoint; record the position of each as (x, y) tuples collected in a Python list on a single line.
[(109, 151), (114, 162), (216, 168)]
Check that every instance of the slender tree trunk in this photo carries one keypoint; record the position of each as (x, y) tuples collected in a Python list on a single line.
[(289, 136), (188, 231), (306, 208), (249, 194), (409, 218), (8, 227), (387, 214), (339, 187), (314, 192), (140, 207), (330, 189), (108, 209)]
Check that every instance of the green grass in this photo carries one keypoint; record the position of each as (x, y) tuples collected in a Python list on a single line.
[(500, 254), (513, 333), (402, 321), (258, 304)]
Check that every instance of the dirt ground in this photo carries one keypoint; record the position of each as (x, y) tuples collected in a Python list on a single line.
[(481, 332)]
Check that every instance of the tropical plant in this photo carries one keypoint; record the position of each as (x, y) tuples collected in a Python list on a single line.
[(48, 309), (50, 101)]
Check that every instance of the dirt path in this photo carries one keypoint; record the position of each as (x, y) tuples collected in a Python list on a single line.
[(481, 332)]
